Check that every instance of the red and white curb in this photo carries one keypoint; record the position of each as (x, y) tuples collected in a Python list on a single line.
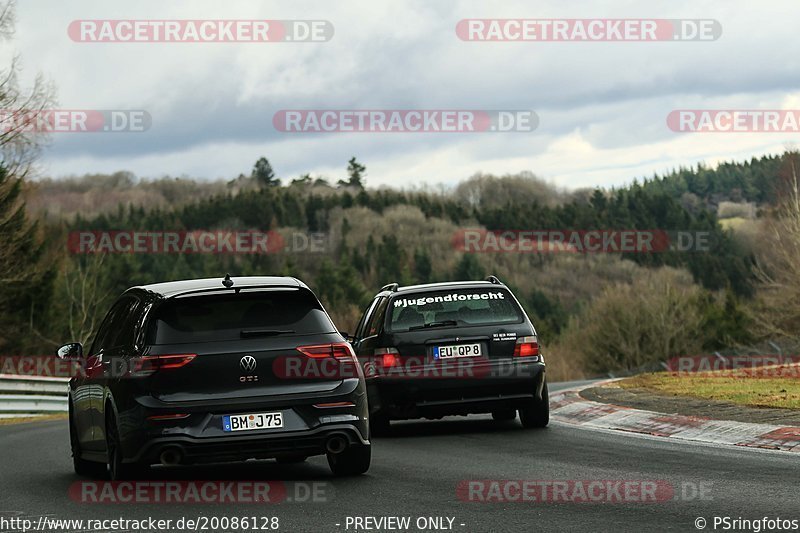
[(569, 407)]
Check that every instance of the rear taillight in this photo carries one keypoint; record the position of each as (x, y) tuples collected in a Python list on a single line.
[(527, 347), (387, 357), (149, 364), (341, 351)]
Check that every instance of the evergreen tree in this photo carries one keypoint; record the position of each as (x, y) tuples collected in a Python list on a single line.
[(25, 284), (355, 174), (423, 270), (263, 173), (468, 269), (390, 260)]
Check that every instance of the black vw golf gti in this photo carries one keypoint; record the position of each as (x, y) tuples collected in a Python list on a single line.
[(451, 349), (195, 371)]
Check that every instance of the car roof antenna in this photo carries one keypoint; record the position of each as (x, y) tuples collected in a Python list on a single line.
[(228, 282)]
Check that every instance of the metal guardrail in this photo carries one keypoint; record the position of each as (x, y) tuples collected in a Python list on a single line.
[(32, 395)]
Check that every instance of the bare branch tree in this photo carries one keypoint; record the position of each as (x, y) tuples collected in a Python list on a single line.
[(21, 110), (631, 325), (23, 273), (85, 296), (779, 264), (8, 19)]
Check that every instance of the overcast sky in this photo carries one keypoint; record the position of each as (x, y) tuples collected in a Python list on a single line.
[(602, 106)]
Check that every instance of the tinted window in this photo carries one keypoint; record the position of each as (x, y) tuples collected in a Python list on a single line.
[(373, 324), (129, 322), (467, 307), (111, 327), (226, 316), (367, 315)]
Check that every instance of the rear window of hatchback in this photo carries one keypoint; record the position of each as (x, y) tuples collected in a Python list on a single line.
[(226, 317)]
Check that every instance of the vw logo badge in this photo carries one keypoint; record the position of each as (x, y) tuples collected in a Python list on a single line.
[(248, 363)]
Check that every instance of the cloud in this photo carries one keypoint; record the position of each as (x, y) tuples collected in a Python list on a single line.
[(602, 106)]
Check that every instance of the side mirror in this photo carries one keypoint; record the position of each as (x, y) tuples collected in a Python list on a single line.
[(73, 350)]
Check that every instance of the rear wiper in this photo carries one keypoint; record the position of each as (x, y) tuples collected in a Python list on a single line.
[(247, 333), (435, 324)]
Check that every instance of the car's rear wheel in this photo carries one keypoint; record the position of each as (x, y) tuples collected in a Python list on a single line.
[(536, 413), (504, 415), (118, 470), (353, 461)]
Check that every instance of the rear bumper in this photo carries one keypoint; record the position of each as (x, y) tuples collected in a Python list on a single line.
[(242, 447), (309, 421), (505, 385)]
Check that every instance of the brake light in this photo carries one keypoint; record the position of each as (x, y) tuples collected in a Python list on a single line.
[(341, 351), (388, 357), (527, 347), (149, 364), (169, 362)]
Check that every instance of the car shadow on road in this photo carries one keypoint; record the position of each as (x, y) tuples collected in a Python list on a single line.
[(312, 469), (315, 468), (450, 426)]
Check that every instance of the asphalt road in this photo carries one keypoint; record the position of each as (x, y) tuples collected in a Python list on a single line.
[(416, 471)]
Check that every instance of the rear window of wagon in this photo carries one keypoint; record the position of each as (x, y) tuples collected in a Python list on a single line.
[(467, 307)]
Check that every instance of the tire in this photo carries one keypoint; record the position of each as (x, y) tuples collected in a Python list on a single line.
[(504, 415), (379, 425), (117, 469), (353, 461), (81, 466), (536, 413)]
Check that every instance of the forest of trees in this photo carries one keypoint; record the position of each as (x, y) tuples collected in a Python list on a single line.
[(750, 181), (377, 236)]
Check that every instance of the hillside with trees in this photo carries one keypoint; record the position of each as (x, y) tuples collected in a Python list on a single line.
[(596, 312)]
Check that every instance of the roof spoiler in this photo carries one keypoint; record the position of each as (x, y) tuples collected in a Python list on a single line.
[(494, 279)]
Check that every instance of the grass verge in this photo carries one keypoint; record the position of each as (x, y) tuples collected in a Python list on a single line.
[(24, 419), (738, 387)]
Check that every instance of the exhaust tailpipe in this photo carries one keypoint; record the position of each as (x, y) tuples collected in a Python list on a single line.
[(336, 444), (171, 456)]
